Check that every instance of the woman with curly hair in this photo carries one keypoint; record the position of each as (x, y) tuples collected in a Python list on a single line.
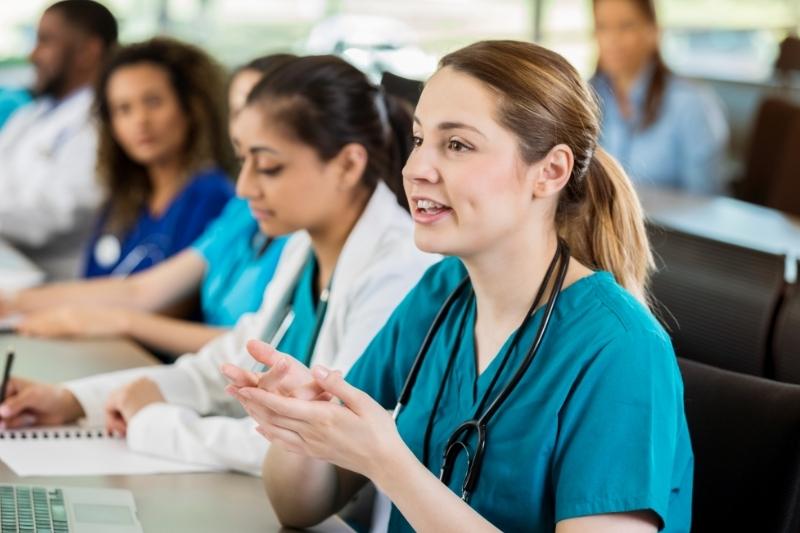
[(163, 155), (229, 266)]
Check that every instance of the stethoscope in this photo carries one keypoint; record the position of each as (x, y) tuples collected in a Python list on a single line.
[(479, 422), (289, 316), (108, 249)]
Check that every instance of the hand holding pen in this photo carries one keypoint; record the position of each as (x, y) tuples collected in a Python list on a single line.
[(28, 403)]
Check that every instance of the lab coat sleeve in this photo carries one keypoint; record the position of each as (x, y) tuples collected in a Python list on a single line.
[(194, 381), (92, 392), (197, 382), (48, 198), (177, 432)]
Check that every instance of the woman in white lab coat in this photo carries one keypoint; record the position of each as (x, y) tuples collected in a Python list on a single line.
[(319, 143)]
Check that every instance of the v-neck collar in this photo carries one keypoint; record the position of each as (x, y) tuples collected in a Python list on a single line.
[(466, 368)]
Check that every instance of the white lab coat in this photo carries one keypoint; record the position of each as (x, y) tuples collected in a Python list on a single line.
[(48, 184), (378, 265)]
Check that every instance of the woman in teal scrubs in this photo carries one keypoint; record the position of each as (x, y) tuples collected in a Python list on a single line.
[(592, 436), (230, 264)]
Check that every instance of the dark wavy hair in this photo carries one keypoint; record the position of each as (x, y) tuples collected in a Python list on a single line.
[(327, 103), (199, 84)]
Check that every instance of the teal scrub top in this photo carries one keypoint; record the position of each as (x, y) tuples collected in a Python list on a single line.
[(595, 426), (237, 270), (304, 302)]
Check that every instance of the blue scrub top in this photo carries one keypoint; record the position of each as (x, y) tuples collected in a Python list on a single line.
[(153, 239), (304, 303), (238, 268), (595, 426), (683, 149)]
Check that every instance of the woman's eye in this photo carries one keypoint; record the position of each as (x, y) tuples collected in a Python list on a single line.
[(416, 141), (457, 146), (271, 171), (152, 101)]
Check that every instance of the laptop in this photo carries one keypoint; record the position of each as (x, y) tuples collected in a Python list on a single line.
[(32, 508)]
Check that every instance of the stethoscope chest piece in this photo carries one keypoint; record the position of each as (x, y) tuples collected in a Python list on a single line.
[(107, 250)]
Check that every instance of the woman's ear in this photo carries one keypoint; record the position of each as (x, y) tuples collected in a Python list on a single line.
[(351, 161), (552, 172)]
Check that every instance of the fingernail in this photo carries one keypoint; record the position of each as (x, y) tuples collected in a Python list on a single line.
[(320, 372), (246, 393), (5, 412)]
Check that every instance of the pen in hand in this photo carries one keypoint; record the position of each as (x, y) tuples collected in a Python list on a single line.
[(6, 377), (6, 374)]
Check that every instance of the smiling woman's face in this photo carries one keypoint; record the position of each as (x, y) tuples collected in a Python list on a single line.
[(464, 179)]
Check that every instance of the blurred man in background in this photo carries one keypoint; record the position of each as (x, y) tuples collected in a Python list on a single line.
[(48, 148)]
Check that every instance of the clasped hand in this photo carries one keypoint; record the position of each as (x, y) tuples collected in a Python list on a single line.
[(315, 413)]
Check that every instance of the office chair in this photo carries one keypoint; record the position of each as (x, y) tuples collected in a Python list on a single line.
[(786, 342), (788, 59), (769, 146), (746, 439), (784, 193), (717, 300)]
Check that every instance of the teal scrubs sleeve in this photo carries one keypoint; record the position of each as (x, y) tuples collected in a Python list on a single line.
[(238, 269), (621, 433)]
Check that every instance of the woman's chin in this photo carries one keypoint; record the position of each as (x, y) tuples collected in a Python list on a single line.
[(432, 244), (273, 228)]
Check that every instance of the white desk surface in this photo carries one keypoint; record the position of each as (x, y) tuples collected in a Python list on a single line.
[(727, 220)]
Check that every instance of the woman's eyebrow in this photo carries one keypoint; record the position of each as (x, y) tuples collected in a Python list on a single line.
[(452, 125)]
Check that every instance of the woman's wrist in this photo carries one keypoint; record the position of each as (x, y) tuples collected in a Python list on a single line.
[(10, 302), (394, 468), (124, 320), (71, 408)]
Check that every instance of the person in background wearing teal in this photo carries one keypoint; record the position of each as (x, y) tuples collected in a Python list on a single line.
[(11, 100), (588, 435), (230, 264), (666, 131)]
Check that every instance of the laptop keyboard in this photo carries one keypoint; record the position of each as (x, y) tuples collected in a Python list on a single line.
[(25, 509)]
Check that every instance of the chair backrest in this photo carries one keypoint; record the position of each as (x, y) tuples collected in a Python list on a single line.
[(768, 146), (784, 192), (407, 89), (788, 56), (786, 342), (746, 439), (717, 300)]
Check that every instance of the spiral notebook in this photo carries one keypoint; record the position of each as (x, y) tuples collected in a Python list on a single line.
[(78, 451)]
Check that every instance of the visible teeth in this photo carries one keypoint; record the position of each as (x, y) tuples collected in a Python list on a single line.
[(428, 204)]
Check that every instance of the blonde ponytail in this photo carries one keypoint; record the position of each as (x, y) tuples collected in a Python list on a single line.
[(605, 228)]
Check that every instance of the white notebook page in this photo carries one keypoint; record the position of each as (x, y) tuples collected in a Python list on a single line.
[(76, 451)]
